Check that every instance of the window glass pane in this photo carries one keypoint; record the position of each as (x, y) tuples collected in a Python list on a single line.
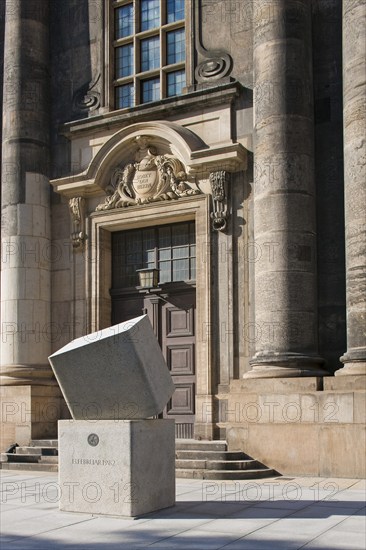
[(180, 234), (150, 90), (164, 254), (133, 242), (180, 270), (181, 252), (150, 53), (150, 14), (175, 10), (164, 236), (124, 61), (128, 251), (176, 81), (149, 238), (176, 48), (165, 272), (124, 96), (124, 21), (149, 247)]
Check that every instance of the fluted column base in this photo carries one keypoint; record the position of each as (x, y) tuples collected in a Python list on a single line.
[(27, 375), (285, 365), (354, 363)]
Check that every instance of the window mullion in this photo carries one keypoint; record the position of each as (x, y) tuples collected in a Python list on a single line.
[(162, 63), (156, 248)]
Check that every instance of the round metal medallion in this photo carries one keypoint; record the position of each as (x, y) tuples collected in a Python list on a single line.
[(93, 440)]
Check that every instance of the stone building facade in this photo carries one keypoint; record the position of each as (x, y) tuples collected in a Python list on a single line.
[(222, 144)]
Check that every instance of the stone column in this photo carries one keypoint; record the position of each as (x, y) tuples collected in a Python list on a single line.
[(284, 194), (354, 124), (25, 217)]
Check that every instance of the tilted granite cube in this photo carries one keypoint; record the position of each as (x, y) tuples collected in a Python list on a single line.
[(115, 373), (116, 467)]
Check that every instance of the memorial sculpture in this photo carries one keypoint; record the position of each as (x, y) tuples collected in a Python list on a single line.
[(115, 459)]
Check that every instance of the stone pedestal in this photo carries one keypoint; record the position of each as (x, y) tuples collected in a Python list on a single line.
[(120, 468), (296, 427)]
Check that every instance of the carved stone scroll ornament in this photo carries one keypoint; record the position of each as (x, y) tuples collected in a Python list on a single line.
[(149, 179), (87, 98), (219, 187), (217, 64), (77, 212)]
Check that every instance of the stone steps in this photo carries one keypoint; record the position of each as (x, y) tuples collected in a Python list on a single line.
[(212, 460), (194, 460), (39, 455)]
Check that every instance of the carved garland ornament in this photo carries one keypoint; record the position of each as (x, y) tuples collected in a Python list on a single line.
[(77, 213), (150, 178), (219, 187)]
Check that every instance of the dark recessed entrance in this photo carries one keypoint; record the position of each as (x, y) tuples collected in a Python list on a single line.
[(171, 307)]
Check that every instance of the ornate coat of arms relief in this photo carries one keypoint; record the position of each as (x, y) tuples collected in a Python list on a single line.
[(150, 178)]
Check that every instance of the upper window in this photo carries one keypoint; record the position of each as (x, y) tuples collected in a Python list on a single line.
[(149, 51)]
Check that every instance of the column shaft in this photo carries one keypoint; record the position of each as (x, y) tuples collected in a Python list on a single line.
[(25, 275), (284, 195), (354, 124)]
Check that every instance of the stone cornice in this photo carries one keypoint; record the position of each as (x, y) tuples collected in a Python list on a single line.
[(223, 94)]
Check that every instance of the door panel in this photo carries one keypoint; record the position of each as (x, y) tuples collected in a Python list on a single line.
[(182, 402), (178, 341), (180, 359), (179, 322)]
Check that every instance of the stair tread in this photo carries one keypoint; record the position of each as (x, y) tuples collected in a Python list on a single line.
[(191, 445), (228, 471), (26, 458), (244, 460), (46, 451), (29, 466), (44, 443), (225, 474), (211, 455)]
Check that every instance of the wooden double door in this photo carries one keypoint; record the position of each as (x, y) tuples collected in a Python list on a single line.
[(171, 309)]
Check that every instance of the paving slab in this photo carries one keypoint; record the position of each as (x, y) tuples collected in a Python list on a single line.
[(225, 519)]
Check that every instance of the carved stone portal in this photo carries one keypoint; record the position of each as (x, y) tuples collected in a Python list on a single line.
[(150, 178)]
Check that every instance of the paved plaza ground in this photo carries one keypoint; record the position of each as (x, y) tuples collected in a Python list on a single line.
[(270, 514)]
